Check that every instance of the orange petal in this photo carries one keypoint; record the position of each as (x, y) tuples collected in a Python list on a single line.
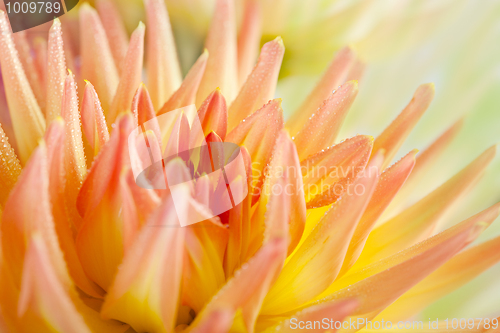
[(163, 71), (462, 268), (115, 31), (316, 262), (10, 168), (131, 76), (248, 40), (334, 311), (93, 121), (282, 198), (56, 72), (186, 94), (74, 157), (98, 65), (418, 221), (333, 77), (388, 186), (356, 71), (213, 114), (259, 87), (150, 274), (221, 70), (40, 49), (142, 106), (395, 134), (322, 128), (217, 321), (327, 174), (258, 134), (27, 118), (380, 284)]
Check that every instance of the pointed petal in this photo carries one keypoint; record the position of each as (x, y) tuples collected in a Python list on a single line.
[(186, 94), (56, 72), (213, 114), (317, 262), (163, 71), (333, 77), (27, 118), (259, 88), (98, 65), (394, 135), (221, 71), (150, 274), (327, 174), (390, 182), (10, 168), (248, 40), (142, 106), (418, 221), (131, 76), (93, 121), (322, 128), (383, 282), (258, 134), (115, 31)]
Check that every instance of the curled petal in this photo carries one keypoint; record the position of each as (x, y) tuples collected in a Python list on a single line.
[(27, 118), (323, 126), (98, 65), (93, 121), (10, 168), (56, 72), (164, 74), (213, 114), (394, 135), (259, 87), (221, 70), (333, 77), (248, 40), (131, 76)]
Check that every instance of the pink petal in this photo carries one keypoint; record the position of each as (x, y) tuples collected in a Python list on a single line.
[(56, 72)]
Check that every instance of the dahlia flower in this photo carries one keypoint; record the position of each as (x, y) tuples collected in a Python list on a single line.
[(87, 246)]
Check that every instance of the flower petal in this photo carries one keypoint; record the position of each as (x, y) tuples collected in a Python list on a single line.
[(27, 118), (56, 72), (333, 77), (317, 262), (131, 76), (418, 221), (93, 121), (217, 321), (327, 174), (213, 114), (10, 168), (322, 128), (98, 65), (221, 70), (390, 182), (394, 135), (259, 87), (248, 40), (115, 31), (186, 94), (163, 71)]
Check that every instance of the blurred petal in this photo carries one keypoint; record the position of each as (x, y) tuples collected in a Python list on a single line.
[(259, 87), (27, 118), (10, 168), (163, 71), (333, 77), (322, 128), (316, 263), (131, 76), (98, 65), (248, 40), (213, 114), (217, 321), (395, 134), (93, 121), (56, 72), (221, 71)]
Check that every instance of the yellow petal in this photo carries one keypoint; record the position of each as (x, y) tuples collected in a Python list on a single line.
[(248, 40), (10, 168), (333, 77), (186, 94), (316, 263), (56, 72), (322, 128), (163, 71), (213, 114), (418, 221), (131, 76), (221, 70), (259, 87), (395, 134), (93, 121), (27, 118), (98, 65)]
